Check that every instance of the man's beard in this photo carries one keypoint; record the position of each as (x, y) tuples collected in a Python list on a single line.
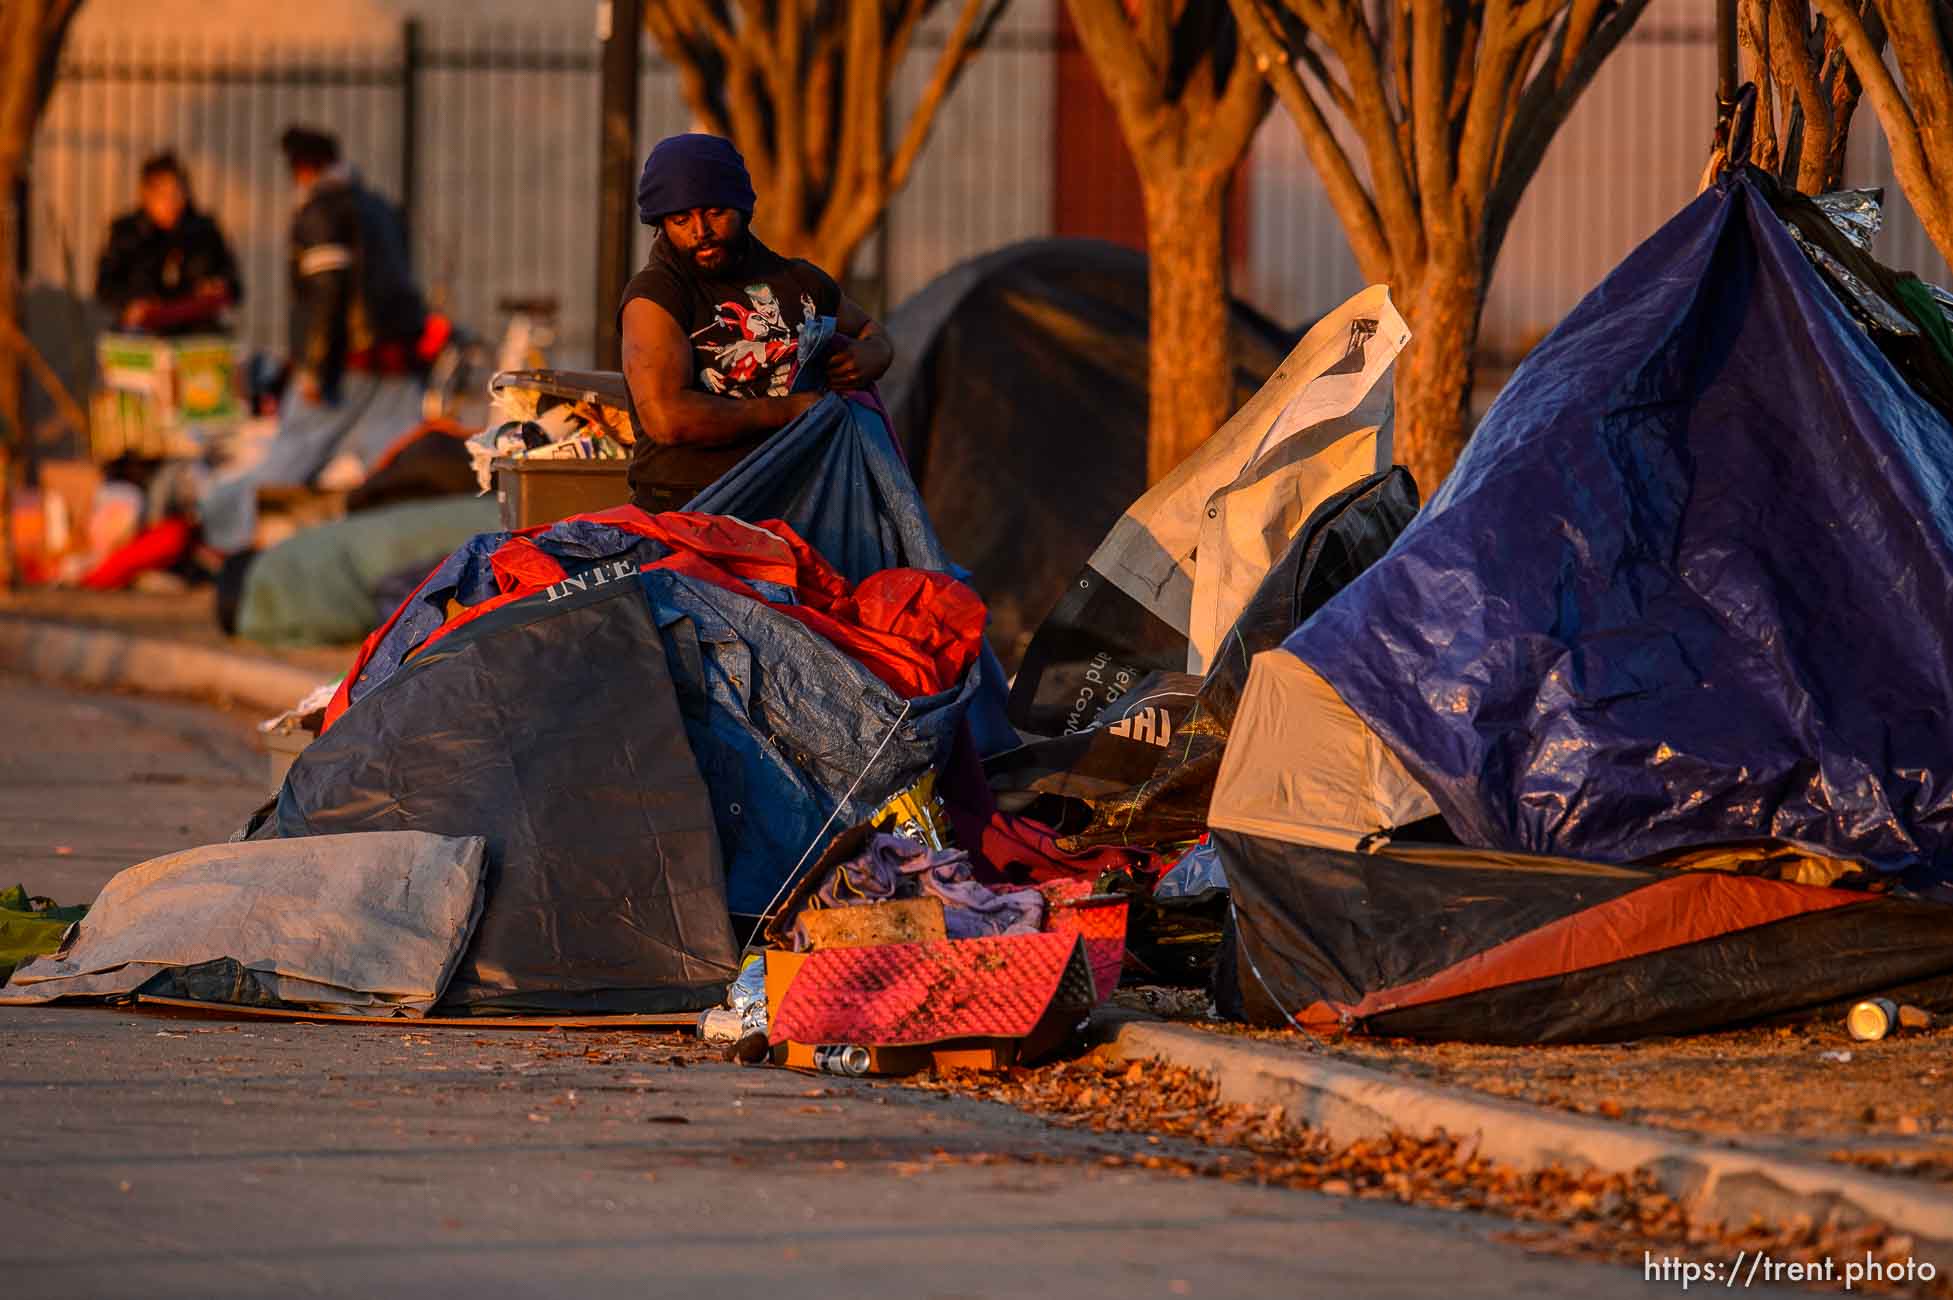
[(734, 250)]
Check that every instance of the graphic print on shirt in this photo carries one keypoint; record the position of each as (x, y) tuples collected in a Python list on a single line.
[(749, 349)]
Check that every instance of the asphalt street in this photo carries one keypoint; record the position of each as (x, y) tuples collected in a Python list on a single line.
[(153, 1156)]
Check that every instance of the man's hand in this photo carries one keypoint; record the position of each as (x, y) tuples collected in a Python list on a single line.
[(308, 387), (137, 312), (862, 353), (859, 362)]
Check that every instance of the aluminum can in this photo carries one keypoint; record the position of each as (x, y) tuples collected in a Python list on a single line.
[(1872, 1019), (719, 1025), (843, 1058)]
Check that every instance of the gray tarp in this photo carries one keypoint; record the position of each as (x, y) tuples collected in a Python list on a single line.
[(340, 922)]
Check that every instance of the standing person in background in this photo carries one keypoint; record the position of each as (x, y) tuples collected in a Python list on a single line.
[(356, 325), (166, 268)]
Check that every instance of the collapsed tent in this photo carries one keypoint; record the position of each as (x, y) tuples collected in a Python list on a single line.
[(1018, 384), (318, 586), (803, 700), (386, 919), (551, 729), (1691, 582), (1179, 567), (1424, 941)]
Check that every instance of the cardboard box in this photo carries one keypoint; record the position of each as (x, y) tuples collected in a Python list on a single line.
[(908, 920), (154, 391)]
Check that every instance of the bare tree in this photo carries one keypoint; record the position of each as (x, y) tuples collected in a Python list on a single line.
[(1188, 101), (1914, 103), (31, 34), (1806, 90), (1451, 106), (804, 88)]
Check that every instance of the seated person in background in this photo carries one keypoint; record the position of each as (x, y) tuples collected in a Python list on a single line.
[(167, 268), (711, 326)]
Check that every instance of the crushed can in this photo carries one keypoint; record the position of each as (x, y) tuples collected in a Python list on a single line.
[(1872, 1019), (720, 1025), (843, 1058)]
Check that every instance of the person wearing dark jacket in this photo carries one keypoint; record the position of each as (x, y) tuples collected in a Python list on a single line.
[(166, 268), (356, 324)]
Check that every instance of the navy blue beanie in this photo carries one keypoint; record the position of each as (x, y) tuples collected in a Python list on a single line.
[(692, 171)]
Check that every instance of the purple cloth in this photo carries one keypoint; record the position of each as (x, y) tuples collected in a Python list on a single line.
[(693, 171), (899, 866)]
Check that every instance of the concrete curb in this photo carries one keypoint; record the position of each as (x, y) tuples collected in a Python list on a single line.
[(101, 657), (1732, 1183)]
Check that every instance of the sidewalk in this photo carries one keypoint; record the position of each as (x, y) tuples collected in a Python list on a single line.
[(1757, 1125), (163, 645)]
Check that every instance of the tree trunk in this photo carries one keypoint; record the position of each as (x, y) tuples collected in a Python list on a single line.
[(784, 231), (1434, 375), (1189, 386)]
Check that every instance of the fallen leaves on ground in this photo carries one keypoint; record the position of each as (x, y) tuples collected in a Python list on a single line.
[(1585, 1213)]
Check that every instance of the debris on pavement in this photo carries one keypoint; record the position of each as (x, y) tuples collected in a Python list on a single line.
[(1596, 1214)]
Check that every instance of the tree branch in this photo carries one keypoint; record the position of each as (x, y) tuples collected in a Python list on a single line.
[(1888, 101), (1347, 35), (1542, 111), (1129, 80), (973, 27), (1365, 230), (1430, 136)]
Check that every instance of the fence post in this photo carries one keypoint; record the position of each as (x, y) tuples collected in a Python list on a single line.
[(620, 26), (410, 65)]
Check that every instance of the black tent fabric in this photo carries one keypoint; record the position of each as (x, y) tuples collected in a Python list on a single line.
[(1447, 943), (1346, 535), (551, 728), (1019, 391)]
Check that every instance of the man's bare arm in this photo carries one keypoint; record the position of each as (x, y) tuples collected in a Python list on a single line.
[(865, 360), (657, 367)]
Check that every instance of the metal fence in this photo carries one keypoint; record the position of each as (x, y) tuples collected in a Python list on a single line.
[(488, 133)]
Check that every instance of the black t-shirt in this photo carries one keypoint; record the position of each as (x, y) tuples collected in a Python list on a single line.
[(744, 322)]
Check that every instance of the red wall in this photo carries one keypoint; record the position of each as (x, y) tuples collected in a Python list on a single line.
[(1096, 194)]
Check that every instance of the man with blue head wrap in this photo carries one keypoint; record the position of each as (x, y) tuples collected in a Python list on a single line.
[(711, 325)]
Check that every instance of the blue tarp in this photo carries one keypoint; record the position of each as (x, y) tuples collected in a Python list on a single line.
[(786, 729), (835, 477), (1691, 581), (795, 739)]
